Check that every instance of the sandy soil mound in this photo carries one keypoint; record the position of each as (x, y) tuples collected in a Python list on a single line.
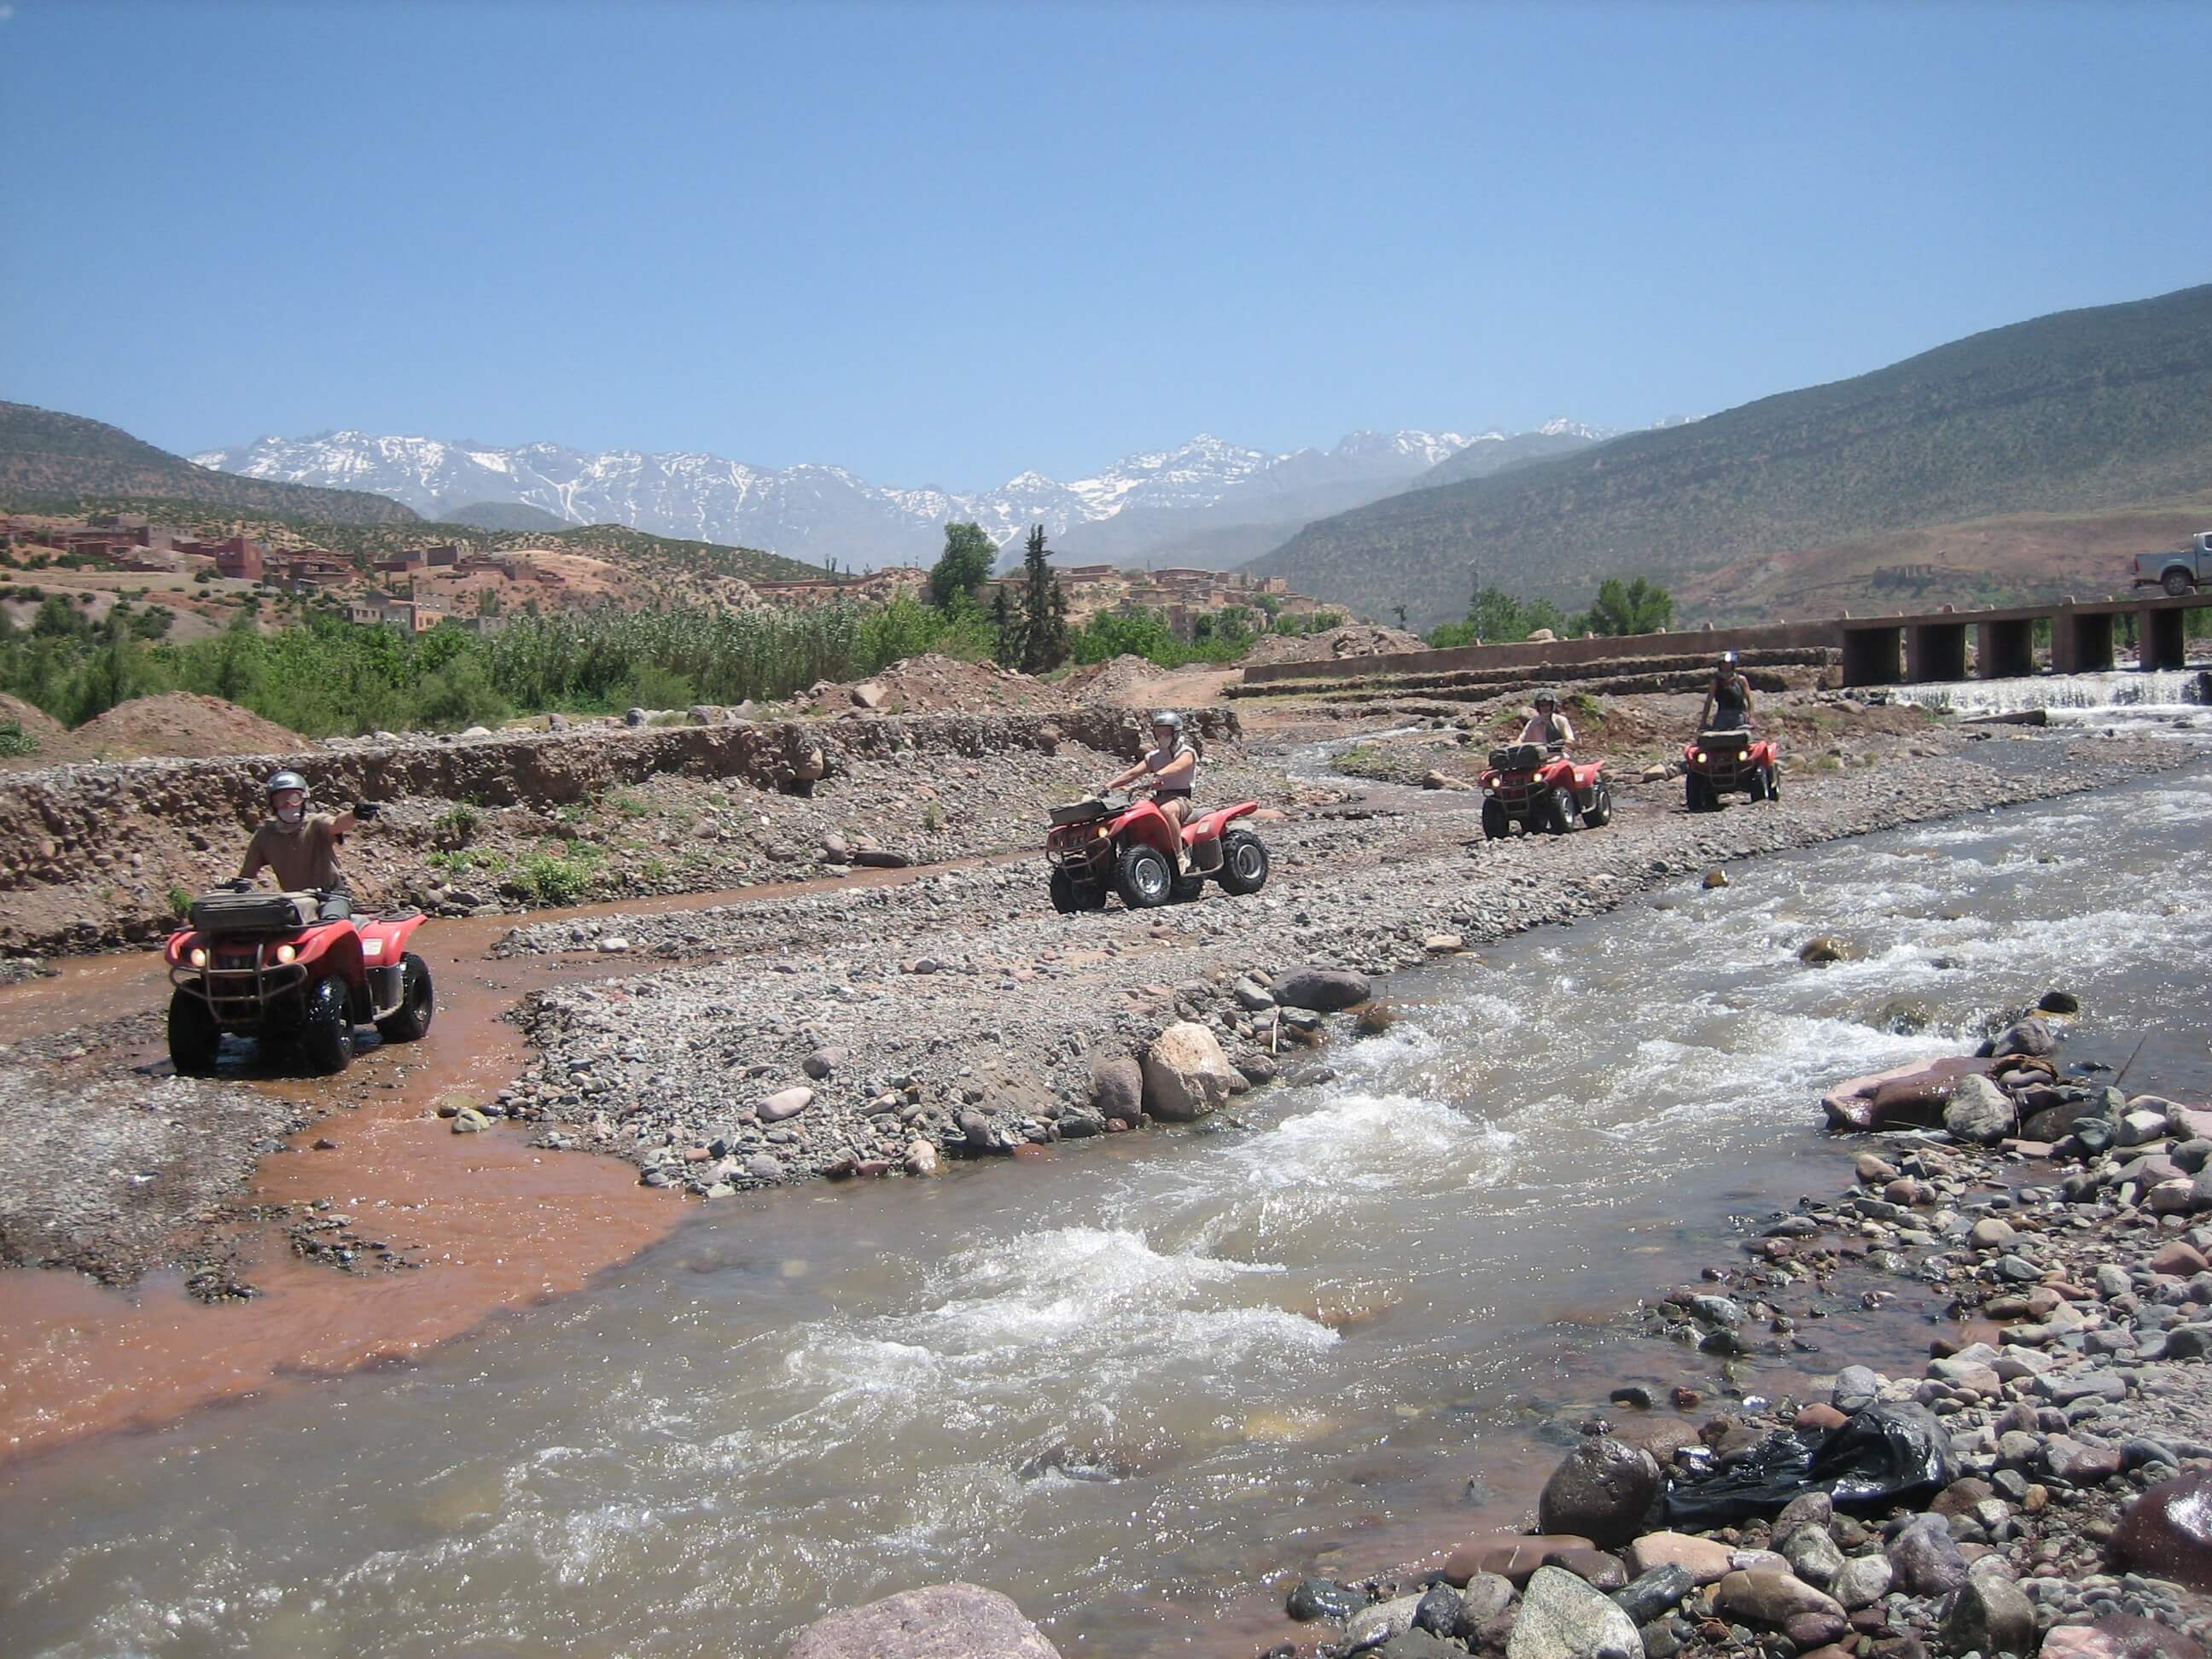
[(49, 734), (933, 684), (1356, 641), (181, 724), (1122, 680)]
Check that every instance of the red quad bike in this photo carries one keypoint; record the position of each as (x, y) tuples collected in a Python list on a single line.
[(1717, 763), (1535, 786), (269, 965), (1123, 842)]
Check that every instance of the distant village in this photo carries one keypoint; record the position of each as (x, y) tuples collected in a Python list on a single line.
[(418, 589)]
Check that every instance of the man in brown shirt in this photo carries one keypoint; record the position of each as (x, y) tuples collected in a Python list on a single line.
[(299, 848)]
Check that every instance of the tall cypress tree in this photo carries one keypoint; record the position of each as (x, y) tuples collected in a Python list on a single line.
[(1042, 643)]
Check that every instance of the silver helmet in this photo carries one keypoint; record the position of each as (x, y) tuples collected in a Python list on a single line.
[(279, 783), (1168, 718)]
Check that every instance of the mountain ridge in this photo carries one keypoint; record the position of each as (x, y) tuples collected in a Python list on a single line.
[(822, 512), (2072, 412)]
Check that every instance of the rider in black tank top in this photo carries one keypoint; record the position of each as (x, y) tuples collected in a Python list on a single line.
[(1727, 705)]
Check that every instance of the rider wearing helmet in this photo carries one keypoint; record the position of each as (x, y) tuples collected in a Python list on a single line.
[(1171, 763), (1547, 725), (1728, 700), (299, 847)]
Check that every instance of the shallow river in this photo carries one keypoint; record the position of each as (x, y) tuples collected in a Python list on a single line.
[(1128, 1383)]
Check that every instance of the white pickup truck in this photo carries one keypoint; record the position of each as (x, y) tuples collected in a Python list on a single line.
[(2180, 572)]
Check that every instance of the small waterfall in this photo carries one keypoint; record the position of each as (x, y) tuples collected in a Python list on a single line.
[(2128, 689)]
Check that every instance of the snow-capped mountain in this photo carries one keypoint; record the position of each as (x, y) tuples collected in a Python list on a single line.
[(819, 513)]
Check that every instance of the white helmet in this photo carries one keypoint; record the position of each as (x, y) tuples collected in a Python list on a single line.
[(278, 783)]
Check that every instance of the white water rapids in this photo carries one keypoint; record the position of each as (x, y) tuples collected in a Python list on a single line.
[(1127, 1383)]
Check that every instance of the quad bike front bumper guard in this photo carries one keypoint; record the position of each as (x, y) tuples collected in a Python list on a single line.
[(238, 984), (1083, 855)]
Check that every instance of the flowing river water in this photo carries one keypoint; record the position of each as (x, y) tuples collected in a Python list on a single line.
[(1128, 1383)]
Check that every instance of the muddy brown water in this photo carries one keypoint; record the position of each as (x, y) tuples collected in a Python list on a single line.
[(1134, 1382)]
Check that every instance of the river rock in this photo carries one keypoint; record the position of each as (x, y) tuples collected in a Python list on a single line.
[(470, 1122), (1117, 1086), (1771, 1597), (943, 1622), (1862, 1581), (1826, 948), (2031, 1037), (2118, 1636), (1563, 1618), (785, 1102), (822, 1062), (1601, 1491), (1440, 1611), (1706, 1560), (1486, 1595), (1979, 1111), (1186, 1074), (1512, 1556), (1313, 1597), (1813, 1556), (922, 1158), (1990, 1615), (2168, 1532), (1652, 1594), (1370, 1627), (1924, 1558), (1323, 990)]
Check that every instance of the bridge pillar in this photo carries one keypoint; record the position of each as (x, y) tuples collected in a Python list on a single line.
[(2004, 650), (2161, 641), (1870, 655), (1935, 651), (2079, 643)]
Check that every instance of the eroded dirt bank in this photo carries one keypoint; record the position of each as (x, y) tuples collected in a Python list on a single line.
[(94, 856)]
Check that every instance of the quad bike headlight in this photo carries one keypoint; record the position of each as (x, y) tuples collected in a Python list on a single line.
[(1101, 833), (198, 957), (287, 952), (1698, 756)]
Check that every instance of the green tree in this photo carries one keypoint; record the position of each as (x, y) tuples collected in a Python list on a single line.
[(1497, 617), (1044, 608), (1004, 630), (964, 566), (1635, 606)]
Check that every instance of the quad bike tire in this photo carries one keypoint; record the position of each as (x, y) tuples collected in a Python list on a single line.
[(1599, 812), (1143, 877), (326, 1031), (1563, 817), (1774, 783), (1697, 793), (2176, 583), (195, 1039), (1070, 896), (411, 1022), (1243, 863), (1496, 826)]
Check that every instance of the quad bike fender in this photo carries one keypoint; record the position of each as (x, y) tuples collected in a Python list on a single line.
[(383, 942), (331, 948), (179, 945), (1208, 825), (1146, 823)]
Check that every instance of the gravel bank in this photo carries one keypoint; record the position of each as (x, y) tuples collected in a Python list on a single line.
[(863, 1032)]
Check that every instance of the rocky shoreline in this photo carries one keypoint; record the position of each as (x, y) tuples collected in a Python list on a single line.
[(2042, 1489), (861, 1033)]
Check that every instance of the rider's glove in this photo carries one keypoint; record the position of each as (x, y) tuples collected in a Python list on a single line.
[(366, 809)]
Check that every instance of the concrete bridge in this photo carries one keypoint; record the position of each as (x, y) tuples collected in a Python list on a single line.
[(1906, 650)]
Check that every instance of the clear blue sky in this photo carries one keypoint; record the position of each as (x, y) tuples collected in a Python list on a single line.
[(940, 243)]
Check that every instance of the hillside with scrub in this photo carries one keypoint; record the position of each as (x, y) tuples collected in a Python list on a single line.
[(2077, 414)]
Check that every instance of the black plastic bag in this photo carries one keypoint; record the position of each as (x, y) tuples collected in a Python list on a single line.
[(1884, 1455)]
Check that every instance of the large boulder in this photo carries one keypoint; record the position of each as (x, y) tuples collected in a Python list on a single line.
[(1601, 1491), (943, 1622), (1186, 1074), (1117, 1086), (1989, 1615), (1323, 990), (2168, 1532), (1979, 1111), (1563, 1618)]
